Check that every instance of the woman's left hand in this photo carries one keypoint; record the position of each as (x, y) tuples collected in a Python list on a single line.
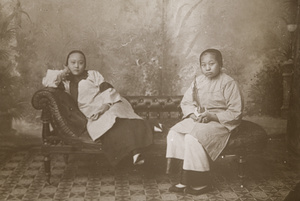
[(102, 110), (207, 117)]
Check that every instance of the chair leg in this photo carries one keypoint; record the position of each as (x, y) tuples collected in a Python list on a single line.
[(241, 173), (47, 168)]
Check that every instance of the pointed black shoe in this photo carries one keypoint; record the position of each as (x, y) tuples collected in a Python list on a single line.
[(189, 190)]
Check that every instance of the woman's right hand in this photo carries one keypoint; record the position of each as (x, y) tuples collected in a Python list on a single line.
[(66, 72)]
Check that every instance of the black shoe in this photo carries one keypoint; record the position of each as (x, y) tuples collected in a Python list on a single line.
[(189, 190), (176, 189)]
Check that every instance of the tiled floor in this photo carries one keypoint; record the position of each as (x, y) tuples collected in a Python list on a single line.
[(91, 178)]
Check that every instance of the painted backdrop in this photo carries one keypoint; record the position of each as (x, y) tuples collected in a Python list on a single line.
[(148, 47)]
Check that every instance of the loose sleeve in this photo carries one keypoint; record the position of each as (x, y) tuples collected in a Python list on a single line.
[(188, 104), (90, 98), (95, 77), (232, 116), (53, 78), (109, 95)]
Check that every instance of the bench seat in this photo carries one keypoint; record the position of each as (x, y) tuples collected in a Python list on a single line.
[(61, 136)]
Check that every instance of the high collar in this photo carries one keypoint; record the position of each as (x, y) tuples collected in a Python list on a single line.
[(77, 78)]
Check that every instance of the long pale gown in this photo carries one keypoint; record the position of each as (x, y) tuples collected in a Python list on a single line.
[(126, 131), (194, 142)]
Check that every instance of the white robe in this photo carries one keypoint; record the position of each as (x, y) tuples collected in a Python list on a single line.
[(220, 96), (90, 100)]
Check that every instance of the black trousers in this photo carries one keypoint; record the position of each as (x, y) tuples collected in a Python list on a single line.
[(126, 136), (187, 177)]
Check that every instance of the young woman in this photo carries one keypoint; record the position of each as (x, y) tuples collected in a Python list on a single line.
[(212, 108), (110, 116)]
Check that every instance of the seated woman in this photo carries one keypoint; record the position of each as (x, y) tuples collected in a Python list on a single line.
[(111, 118), (212, 108)]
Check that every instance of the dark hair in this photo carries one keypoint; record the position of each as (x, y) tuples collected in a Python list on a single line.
[(76, 51), (215, 52)]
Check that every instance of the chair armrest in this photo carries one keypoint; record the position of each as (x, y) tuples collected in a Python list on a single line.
[(65, 117), (42, 98)]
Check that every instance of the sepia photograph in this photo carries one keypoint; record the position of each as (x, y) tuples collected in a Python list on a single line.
[(149, 100)]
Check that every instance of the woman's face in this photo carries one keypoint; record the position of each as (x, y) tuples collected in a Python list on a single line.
[(76, 63), (209, 65)]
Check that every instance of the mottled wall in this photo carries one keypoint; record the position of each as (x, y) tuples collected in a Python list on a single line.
[(121, 39), (246, 32), (150, 47)]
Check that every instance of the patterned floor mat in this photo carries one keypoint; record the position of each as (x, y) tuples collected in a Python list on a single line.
[(270, 176)]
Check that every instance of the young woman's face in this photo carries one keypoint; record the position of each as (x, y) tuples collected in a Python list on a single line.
[(76, 63), (209, 65)]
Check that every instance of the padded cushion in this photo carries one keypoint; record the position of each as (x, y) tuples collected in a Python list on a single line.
[(249, 138)]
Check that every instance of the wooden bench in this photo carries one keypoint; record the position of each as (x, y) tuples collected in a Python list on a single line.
[(62, 138)]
